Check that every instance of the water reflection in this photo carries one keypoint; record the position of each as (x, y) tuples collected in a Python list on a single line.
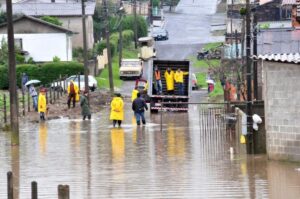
[(188, 159), (43, 135)]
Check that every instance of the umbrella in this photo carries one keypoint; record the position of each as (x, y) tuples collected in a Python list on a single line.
[(34, 81), (210, 81)]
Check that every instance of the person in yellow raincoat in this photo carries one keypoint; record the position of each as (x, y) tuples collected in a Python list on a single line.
[(169, 77), (179, 80), (42, 103), (134, 94), (73, 91), (117, 110)]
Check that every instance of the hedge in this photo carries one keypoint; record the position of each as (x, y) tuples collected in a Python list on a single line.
[(46, 73)]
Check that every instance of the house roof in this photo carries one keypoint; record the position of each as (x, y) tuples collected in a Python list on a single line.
[(53, 9), (41, 22), (289, 2), (290, 58), (278, 41)]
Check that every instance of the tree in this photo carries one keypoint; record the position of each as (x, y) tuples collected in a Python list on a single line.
[(2, 16), (52, 20), (3, 52)]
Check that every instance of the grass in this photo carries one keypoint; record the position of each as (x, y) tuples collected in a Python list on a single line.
[(218, 91), (205, 64), (201, 78), (103, 80), (212, 46)]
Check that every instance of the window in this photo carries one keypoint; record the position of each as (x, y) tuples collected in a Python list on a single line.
[(18, 43)]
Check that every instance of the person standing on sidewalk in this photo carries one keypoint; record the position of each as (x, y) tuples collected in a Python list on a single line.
[(138, 106), (117, 110), (157, 74), (33, 94), (84, 104), (169, 77), (72, 93), (179, 80)]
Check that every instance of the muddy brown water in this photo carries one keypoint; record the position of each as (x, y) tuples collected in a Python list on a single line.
[(185, 160)]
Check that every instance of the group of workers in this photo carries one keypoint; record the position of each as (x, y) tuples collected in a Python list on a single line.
[(172, 79), (117, 105)]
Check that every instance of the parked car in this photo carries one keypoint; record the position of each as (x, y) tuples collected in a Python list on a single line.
[(159, 33), (64, 84), (194, 82), (131, 68)]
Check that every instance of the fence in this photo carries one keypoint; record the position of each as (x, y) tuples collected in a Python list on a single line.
[(56, 90), (62, 190)]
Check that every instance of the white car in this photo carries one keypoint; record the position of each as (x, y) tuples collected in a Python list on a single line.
[(64, 84), (131, 68)]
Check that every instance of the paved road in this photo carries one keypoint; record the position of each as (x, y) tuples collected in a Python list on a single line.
[(189, 28)]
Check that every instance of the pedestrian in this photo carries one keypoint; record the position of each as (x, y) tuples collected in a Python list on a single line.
[(117, 110), (179, 80), (34, 97), (157, 74), (24, 80), (138, 106), (72, 93), (85, 107), (42, 104), (134, 93), (169, 77)]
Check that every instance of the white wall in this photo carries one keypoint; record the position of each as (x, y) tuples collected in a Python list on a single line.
[(43, 47)]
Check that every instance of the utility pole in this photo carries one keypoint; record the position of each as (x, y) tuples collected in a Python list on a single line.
[(237, 66), (110, 72), (255, 83), (13, 95), (120, 36), (135, 25), (250, 140), (86, 70), (150, 12)]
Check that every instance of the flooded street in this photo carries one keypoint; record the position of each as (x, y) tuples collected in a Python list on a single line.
[(187, 157), (185, 160)]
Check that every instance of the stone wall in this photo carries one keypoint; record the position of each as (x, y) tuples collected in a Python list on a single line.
[(282, 110)]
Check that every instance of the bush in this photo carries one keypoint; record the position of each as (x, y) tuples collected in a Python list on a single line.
[(102, 45), (56, 59), (52, 20), (128, 37), (46, 73), (3, 77), (128, 24)]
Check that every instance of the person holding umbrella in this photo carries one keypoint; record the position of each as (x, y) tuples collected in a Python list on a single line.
[(33, 94)]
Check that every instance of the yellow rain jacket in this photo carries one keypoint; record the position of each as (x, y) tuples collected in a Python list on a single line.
[(134, 94), (117, 109), (169, 80), (42, 103), (179, 76), (76, 90)]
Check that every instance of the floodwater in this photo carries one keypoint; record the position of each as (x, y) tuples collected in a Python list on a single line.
[(187, 159)]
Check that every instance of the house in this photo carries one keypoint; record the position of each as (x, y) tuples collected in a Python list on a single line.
[(281, 73), (40, 40), (68, 12), (294, 7)]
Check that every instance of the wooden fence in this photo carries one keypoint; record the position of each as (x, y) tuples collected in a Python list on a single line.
[(63, 191)]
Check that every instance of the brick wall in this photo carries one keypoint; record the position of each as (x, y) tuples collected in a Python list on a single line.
[(282, 110)]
